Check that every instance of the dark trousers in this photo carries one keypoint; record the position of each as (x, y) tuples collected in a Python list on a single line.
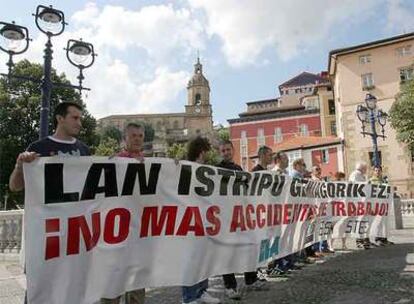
[(309, 251), (288, 261), (231, 283)]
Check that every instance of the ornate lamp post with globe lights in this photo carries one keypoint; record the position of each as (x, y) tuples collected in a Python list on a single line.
[(50, 22), (369, 114)]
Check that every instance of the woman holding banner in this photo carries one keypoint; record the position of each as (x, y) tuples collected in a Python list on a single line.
[(197, 151)]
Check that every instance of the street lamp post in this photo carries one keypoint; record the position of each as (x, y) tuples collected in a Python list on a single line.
[(51, 22), (80, 54), (369, 114)]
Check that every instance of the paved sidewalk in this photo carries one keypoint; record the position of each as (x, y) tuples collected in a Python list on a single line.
[(12, 283), (378, 276)]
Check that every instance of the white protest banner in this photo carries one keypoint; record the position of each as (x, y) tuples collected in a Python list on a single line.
[(96, 227)]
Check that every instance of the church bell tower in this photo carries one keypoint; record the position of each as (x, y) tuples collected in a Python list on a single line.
[(198, 108)]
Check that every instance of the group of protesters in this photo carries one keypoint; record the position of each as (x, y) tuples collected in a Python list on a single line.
[(64, 142)]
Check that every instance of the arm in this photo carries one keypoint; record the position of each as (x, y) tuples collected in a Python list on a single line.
[(16, 181)]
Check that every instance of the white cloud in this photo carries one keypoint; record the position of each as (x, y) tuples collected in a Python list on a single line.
[(119, 85), (115, 91), (160, 30), (400, 19), (247, 28)]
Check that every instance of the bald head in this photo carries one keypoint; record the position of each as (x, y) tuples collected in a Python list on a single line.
[(361, 166)]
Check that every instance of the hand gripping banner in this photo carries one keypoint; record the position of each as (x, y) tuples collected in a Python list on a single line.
[(97, 227)]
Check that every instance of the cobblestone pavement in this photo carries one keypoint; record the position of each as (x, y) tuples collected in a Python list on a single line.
[(377, 276), (12, 283)]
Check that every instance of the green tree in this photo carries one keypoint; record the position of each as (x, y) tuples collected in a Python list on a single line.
[(20, 103), (177, 151), (223, 133), (111, 132), (401, 115), (149, 132), (107, 147), (213, 157)]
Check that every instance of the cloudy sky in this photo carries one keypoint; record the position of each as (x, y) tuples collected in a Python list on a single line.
[(147, 48)]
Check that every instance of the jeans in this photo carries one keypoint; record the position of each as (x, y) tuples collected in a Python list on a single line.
[(320, 246), (192, 293), (287, 262)]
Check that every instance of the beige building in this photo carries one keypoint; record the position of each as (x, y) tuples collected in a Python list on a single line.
[(292, 91), (322, 98), (175, 127), (378, 68)]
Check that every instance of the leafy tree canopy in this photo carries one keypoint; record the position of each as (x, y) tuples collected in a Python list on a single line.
[(402, 115), (20, 103)]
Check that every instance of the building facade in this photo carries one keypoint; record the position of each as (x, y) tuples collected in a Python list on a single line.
[(322, 97), (378, 68), (326, 152), (175, 127), (291, 122)]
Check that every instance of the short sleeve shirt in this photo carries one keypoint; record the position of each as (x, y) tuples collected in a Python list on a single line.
[(50, 146)]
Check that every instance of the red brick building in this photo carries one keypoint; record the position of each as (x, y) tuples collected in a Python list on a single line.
[(284, 123), (327, 152)]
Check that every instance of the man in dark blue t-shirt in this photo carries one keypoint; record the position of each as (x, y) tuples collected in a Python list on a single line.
[(67, 119)]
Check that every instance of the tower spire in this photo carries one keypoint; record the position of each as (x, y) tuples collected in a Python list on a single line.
[(198, 67)]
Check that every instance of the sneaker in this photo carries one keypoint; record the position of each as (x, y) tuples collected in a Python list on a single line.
[(257, 286), (360, 245), (309, 260), (328, 251), (384, 242), (262, 275), (319, 254), (208, 299), (232, 293), (276, 273), (367, 246), (300, 264)]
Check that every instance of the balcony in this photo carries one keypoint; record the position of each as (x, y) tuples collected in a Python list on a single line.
[(368, 88), (177, 135)]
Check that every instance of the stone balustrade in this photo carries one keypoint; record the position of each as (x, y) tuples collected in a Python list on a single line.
[(11, 223), (407, 213)]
